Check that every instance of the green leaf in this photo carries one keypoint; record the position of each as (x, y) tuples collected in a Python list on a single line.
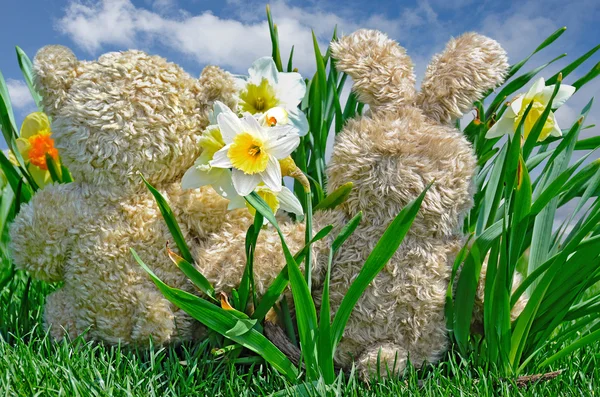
[(247, 284), (549, 40), (290, 67), (346, 231), (27, 69), (572, 66), (281, 281), (589, 76), (14, 178), (306, 314), (275, 52), (222, 321), (53, 169), (578, 344), (193, 274), (171, 222), (337, 197), (377, 259)]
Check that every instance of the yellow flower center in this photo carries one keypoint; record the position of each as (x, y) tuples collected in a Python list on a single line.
[(258, 98), (41, 144), (532, 117), (268, 196), (247, 153)]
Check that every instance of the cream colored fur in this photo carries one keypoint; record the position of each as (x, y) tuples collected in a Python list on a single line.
[(129, 111), (124, 113)]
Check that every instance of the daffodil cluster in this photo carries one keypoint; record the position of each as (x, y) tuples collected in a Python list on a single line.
[(242, 149)]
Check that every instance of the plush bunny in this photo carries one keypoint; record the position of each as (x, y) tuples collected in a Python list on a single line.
[(125, 113), (407, 141), (404, 142)]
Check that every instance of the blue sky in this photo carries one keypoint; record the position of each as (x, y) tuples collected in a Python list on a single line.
[(232, 33)]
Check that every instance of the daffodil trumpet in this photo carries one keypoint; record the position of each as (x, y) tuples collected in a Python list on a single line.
[(36, 147), (273, 96)]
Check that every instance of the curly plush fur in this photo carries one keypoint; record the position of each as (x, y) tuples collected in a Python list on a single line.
[(405, 143), (124, 113), (129, 112)]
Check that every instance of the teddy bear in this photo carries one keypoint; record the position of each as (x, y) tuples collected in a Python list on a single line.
[(130, 112), (405, 141), (124, 114)]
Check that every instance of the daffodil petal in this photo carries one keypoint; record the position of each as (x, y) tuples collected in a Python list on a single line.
[(220, 159), (240, 83), (218, 108), (195, 177), (23, 145), (556, 131), (271, 176), (40, 176), (252, 126), (291, 89), (515, 107), (284, 143), (264, 68), (244, 183), (564, 93), (34, 124), (230, 125), (535, 89), (502, 127), (298, 119), (289, 202)]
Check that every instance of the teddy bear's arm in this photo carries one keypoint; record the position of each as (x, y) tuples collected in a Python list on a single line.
[(469, 66), (40, 240)]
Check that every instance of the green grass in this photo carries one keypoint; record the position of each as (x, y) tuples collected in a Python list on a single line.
[(32, 365)]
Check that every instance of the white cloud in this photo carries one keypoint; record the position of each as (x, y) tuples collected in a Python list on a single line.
[(231, 42), (206, 38), (19, 94)]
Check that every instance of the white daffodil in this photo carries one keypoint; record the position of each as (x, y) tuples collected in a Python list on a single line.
[(284, 200), (273, 96), (540, 95), (201, 173), (252, 151)]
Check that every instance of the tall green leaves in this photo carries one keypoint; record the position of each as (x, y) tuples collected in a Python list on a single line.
[(514, 222)]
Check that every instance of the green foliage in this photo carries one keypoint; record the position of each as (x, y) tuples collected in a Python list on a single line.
[(513, 222), (520, 185)]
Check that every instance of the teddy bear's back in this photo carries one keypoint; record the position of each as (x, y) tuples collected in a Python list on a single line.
[(114, 296)]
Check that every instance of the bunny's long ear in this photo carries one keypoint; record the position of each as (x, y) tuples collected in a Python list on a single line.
[(382, 72), (469, 66), (54, 71)]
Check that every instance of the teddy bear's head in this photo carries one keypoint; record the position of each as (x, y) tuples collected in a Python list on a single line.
[(126, 112)]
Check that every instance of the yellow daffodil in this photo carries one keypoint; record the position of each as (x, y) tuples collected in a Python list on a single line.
[(540, 96), (202, 174), (34, 144), (252, 151), (272, 96)]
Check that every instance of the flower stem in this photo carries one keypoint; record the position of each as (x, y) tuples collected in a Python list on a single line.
[(308, 238)]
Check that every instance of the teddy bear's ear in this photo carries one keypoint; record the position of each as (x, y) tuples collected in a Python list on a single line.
[(469, 66), (54, 70), (382, 72), (217, 85)]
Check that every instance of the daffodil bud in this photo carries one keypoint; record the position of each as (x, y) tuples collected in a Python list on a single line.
[(289, 168)]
